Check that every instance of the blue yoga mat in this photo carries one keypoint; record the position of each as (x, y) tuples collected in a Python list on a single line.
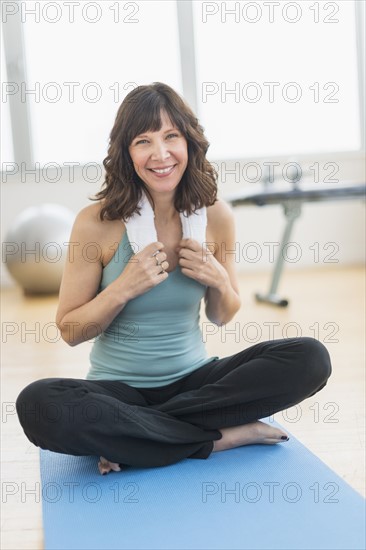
[(254, 497)]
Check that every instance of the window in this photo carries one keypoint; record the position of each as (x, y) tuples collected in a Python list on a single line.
[(264, 77), (80, 71), (277, 78)]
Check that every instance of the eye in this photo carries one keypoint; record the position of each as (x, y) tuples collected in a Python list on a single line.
[(141, 141), (172, 135)]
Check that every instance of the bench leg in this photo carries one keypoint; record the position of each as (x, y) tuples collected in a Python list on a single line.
[(292, 210)]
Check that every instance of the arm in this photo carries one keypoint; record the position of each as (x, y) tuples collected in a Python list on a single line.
[(222, 299), (83, 313), (215, 269)]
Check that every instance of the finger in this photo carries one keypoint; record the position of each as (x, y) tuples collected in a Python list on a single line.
[(161, 256), (183, 262), (162, 267), (189, 264), (190, 243), (188, 272), (163, 273), (186, 253), (154, 248)]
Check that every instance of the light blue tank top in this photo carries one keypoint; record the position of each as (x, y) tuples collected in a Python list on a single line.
[(156, 339)]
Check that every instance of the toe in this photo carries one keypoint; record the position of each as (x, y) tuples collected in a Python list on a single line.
[(271, 441), (105, 466), (103, 469)]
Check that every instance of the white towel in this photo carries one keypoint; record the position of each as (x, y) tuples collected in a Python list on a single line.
[(141, 229)]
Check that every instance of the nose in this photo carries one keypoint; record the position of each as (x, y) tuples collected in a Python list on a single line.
[(160, 151)]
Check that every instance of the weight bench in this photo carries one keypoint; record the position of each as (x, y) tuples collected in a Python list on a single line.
[(291, 198)]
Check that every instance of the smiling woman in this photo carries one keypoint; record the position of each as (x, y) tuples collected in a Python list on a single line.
[(159, 397)]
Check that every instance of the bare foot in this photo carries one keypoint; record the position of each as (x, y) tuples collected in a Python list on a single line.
[(249, 434), (105, 466)]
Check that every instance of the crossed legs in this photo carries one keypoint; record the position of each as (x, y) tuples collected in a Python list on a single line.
[(216, 407)]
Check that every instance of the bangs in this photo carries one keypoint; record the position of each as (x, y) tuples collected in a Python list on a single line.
[(147, 117)]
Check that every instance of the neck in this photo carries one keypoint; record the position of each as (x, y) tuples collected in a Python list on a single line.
[(164, 210), (142, 230)]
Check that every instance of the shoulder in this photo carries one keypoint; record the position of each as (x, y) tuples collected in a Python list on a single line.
[(220, 217), (89, 218), (90, 215), (89, 228), (220, 207), (220, 225)]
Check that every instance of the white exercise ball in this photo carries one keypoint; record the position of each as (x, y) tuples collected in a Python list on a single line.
[(36, 247)]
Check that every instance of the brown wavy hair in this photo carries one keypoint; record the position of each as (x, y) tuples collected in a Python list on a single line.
[(140, 112)]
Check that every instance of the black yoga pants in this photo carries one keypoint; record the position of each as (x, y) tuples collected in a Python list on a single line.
[(149, 427)]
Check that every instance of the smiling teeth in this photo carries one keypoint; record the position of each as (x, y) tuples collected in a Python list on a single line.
[(162, 171)]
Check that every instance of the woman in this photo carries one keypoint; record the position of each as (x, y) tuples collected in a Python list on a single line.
[(152, 396)]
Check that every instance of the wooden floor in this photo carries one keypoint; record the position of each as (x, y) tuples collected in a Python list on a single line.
[(326, 303)]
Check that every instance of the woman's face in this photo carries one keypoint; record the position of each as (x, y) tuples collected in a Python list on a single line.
[(160, 158)]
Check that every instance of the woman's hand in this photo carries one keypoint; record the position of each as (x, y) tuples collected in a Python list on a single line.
[(198, 263), (143, 271)]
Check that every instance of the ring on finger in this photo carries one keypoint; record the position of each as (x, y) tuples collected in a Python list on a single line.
[(161, 265), (156, 257)]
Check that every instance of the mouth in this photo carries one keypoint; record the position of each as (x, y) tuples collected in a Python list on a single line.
[(162, 172)]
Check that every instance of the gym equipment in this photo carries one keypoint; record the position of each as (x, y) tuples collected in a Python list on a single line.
[(254, 497), (35, 247), (291, 198)]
